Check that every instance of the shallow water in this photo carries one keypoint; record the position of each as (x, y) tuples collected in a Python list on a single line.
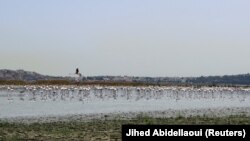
[(42, 101)]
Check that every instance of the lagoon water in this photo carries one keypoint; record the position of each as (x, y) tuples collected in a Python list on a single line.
[(42, 101)]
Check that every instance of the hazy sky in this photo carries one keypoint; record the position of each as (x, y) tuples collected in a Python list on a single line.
[(126, 37)]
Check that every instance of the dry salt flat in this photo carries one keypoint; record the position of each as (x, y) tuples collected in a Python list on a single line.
[(51, 103)]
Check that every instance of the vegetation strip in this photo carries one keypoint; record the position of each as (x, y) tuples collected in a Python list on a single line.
[(101, 129)]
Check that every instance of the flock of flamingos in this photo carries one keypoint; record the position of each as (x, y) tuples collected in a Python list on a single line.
[(69, 99), (82, 93)]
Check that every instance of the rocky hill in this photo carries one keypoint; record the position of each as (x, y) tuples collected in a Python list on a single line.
[(22, 75)]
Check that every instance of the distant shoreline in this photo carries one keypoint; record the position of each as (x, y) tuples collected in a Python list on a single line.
[(109, 83), (22, 77)]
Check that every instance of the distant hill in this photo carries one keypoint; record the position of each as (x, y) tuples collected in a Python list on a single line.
[(22, 75), (241, 79)]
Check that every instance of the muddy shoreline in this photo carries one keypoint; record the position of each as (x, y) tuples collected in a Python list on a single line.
[(209, 113)]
